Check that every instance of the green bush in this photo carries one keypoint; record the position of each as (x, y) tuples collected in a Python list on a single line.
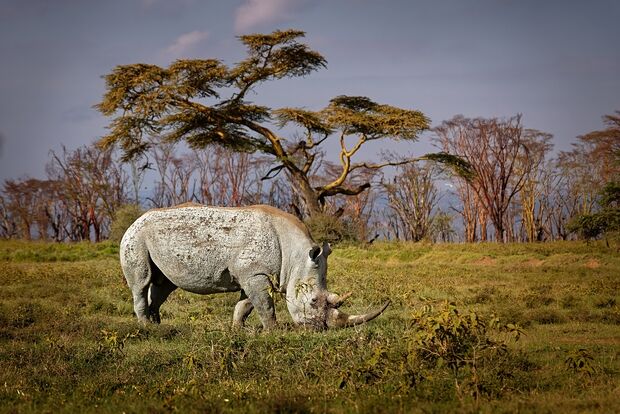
[(465, 345), (331, 229), (580, 362), (123, 218), (605, 222)]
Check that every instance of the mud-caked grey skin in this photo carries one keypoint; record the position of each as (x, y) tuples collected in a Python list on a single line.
[(256, 250)]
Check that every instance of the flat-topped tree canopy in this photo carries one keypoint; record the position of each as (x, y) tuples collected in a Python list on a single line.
[(204, 102), (359, 115)]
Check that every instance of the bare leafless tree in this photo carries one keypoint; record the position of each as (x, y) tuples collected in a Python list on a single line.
[(91, 184), (413, 196), (470, 210), (8, 226), (534, 200), (21, 200), (442, 227), (497, 151)]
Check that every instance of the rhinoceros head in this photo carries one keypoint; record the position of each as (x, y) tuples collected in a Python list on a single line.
[(311, 304)]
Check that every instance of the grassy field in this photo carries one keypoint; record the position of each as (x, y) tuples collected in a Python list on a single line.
[(448, 343)]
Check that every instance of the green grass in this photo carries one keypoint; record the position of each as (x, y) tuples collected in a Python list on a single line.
[(37, 251), (69, 341)]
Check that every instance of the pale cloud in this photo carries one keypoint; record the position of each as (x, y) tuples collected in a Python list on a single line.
[(186, 43), (255, 13)]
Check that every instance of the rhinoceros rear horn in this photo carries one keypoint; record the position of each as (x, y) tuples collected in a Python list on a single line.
[(336, 300), (339, 319)]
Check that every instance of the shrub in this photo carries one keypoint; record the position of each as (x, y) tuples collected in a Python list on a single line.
[(580, 362), (464, 344), (331, 229), (123, 218), (605, 222)]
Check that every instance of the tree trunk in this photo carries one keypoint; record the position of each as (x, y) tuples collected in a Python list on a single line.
[(309, 195), (499, 232), (482, 220)]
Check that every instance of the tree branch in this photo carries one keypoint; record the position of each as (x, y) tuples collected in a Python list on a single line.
[(323, 192), (276, 170)]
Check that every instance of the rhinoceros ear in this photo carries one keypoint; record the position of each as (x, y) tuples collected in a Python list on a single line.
[(326, 249), (315, 253)]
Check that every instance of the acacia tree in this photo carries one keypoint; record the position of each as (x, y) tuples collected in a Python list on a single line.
[(593, 162), (91, 184), (205, 102), (354, 213), (215, 176), (442, 230), (604, 145), (8, 224), (497, 151), (597, 157), (413, 196), (23, 205), (533, 198), (582, 179), (473, 214)]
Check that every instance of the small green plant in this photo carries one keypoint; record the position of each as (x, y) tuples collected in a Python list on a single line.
[(233, 354), (191, 361), (580, 362), (368, 371), (112, 344), (274, 289)]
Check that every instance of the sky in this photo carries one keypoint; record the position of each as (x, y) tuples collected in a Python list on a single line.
[(557, 62)]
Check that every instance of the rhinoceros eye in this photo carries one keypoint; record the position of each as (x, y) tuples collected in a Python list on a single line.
[(315, 253)]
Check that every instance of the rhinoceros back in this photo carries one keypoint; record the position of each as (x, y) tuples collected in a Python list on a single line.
[(206, 249)]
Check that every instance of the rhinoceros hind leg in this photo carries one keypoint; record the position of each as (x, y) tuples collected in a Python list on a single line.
[(138, 278), (136, 265), (140, 302), (158, 293), (243, 308)]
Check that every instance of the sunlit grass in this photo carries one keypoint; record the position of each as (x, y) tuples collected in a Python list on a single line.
[(69, 340)]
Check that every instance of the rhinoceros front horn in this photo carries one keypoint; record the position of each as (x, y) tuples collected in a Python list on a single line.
[(339, 319)]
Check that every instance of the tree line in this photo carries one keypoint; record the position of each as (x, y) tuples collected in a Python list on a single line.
[(191, 133), (518, 190)]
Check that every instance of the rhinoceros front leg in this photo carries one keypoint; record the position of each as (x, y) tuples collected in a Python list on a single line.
[(243, 308), (258, 288)]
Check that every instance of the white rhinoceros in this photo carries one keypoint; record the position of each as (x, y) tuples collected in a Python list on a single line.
[(256, 250)]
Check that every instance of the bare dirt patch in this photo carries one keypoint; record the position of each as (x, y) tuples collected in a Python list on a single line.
[(485, 261), (593, 264), (534, 262)]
